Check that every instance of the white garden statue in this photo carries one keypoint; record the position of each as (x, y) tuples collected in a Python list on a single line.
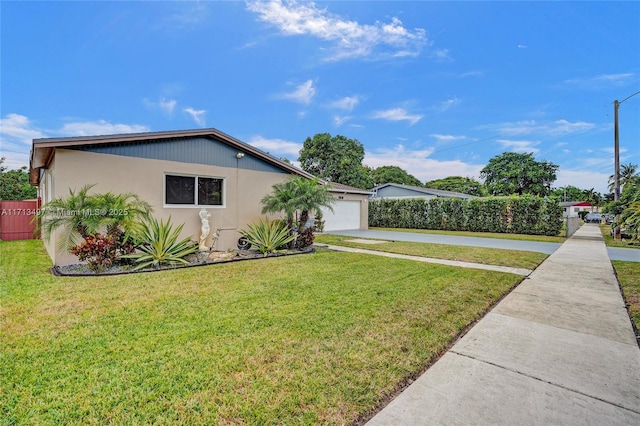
[(205, 229)]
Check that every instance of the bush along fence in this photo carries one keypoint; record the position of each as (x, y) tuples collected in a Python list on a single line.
[(516, 215)]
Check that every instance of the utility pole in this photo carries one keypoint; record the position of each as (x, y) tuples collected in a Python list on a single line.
[(616, 149)]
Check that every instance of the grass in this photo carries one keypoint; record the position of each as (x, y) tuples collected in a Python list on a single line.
[(609, 241), (308, 339), (488, 256), (629, 278), (504, 236)]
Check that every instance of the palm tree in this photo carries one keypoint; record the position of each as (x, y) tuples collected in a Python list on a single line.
[(122, 213), (281, 200), (592, 197), (81, 215), (297, 194), (627, 173), (310, 196), (72, 214)]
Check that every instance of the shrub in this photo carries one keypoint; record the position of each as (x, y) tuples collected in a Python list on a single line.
[(81, 215), (268, 236), (98, 250), (160, 245), (517, 214), (102, 251), (305, 238)]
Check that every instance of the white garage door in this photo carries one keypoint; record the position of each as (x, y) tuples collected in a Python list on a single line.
[(345, 215)]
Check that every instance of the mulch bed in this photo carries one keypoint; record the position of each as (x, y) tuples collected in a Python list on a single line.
[(196, 259)]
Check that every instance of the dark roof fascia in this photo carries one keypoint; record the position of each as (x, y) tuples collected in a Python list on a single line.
[(43, 148), (345, 189), (350, 191)]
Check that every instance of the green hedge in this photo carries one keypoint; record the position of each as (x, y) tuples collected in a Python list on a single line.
[(516, 215)]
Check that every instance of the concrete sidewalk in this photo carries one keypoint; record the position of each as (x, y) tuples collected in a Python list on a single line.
[(559, 349)]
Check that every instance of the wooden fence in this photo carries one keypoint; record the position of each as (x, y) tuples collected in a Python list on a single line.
[(16, 220)]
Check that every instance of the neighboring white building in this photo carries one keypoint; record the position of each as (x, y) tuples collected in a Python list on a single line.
[(573, 208)]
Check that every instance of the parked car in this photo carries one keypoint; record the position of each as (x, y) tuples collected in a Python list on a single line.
[(593, 218)]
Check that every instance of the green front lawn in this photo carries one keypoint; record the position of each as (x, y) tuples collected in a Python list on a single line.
[(609, 241), (487, 256), (629, 278), (504, 236), (308, 339)]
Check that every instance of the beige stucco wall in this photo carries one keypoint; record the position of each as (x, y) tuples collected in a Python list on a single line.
[(145, 177)]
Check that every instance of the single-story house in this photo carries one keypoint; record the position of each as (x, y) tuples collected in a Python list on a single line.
[(572, 208), (396, 190), (167, 168)]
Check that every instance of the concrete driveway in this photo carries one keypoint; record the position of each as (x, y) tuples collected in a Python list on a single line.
[(629, 255)]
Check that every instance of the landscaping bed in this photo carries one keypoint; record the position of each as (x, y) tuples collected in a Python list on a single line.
[(196, 259)]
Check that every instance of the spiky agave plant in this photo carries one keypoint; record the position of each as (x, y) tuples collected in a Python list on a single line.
[(268, 235), (160, 245)]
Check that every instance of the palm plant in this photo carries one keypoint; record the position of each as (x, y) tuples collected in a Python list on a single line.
[(297, 194), (73, 214), (627, 173), (161, 246), (310, 196), (281, 200), (82, 214), (122, 214)]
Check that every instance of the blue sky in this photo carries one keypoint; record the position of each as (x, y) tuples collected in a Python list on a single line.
[(437, 88)]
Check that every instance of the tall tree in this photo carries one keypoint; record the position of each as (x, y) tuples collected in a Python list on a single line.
[(627, 173), (593, 197), (569, 193), (393, 174), (457, 184), (512, 173), (336, 159), (14, 184)]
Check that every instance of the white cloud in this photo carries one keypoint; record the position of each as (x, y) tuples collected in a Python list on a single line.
[(302, 94), (603, 80), (397, 114), (17, 133), (278, 146), (447, 138), (197, 115), (100, 127), (564, 127), (339, 121), (188, 15), (519, 146), (349, 39), (550, 128), (584, 179), (347, 103), (441, 55), (19, 129), (418, 163), (449, 103), (165, 105), (522, 46)]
